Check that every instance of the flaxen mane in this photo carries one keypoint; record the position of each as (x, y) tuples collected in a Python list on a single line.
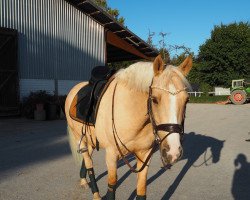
[(138, 76)]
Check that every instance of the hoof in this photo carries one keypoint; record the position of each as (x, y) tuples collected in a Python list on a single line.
[(84, 184), (140, 197), (97, 196), (104, 197)]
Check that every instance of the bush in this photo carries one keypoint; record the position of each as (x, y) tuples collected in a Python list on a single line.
[(204, 87), (29, 103)]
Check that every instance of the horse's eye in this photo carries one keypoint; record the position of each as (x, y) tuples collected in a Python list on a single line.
[(155, 101)]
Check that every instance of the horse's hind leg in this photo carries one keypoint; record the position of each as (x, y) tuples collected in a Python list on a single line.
[(83, 170), (88, 168), (83, 174), (111, 161)]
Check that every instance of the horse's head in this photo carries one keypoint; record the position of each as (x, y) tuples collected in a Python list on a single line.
[(216, 150), (167, 101)]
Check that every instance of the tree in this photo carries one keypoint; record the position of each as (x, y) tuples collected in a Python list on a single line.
[(150, 38), (178, 59), (163, 49), (165, 55), (114, 12), (225, 56), (102, 3)]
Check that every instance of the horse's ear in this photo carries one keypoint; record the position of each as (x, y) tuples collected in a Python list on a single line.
[(186, 66), (158, 65)]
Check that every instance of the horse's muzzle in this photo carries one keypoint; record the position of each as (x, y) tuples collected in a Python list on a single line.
[(168, 159)]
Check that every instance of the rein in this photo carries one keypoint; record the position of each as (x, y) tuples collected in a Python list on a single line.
[(119, 149), (168, 127)]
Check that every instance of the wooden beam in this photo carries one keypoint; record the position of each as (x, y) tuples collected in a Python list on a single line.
[(116, 41)]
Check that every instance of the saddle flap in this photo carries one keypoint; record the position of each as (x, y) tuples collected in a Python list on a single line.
[(81, 104)]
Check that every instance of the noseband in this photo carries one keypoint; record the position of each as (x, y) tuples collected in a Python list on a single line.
[(168, 127)]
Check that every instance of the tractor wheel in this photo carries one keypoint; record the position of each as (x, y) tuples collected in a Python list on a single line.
[(238, 97)]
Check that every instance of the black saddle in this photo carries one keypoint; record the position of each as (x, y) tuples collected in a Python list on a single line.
[(85, 104)]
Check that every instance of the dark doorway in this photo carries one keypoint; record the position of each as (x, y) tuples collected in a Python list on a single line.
[(9, 86)]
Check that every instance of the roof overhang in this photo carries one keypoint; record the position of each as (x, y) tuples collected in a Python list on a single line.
[(122, 44)]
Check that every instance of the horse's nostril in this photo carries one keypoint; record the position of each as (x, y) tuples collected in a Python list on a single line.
[(164, 153), (169, 158), (166, 158), (165, 150)]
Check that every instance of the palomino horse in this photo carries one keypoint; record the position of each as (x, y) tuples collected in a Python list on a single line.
[(143, 108)]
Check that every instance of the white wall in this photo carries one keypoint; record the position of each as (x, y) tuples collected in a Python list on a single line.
[(64, 86), (32, 85), (221, 91)]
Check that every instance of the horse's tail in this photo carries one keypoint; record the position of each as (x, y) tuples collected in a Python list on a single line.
[(73, 146)]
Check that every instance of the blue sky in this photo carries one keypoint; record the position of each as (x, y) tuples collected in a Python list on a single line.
[(188, 22)]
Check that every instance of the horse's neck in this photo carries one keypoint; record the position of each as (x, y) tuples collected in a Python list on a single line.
[(134, 106)]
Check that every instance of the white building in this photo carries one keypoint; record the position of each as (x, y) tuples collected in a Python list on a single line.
[(53, 44)]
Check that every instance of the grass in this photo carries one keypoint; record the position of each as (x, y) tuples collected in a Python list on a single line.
[(207, 99)]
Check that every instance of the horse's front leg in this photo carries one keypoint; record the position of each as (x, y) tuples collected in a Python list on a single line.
[(111, 161), (142, 177)]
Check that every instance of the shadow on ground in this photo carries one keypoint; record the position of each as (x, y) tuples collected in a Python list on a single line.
[(195, 145), (241, 178), (120, 163), (31, 142)]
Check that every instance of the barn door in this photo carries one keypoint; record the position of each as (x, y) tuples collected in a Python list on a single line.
[(9, 87)]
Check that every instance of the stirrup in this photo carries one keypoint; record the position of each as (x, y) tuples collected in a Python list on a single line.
[(82, 150), (79, 149)]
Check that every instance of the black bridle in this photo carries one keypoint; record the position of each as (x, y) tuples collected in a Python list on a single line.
[(168, 127)]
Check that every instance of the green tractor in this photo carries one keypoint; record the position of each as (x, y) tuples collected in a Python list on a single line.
[(240, 92)]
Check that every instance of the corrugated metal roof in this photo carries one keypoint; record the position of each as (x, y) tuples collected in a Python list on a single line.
[(110, 23)]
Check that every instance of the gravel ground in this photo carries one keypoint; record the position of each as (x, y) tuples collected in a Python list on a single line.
[(36, 163)]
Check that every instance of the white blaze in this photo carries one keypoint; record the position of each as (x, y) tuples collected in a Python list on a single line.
[(172, 100), (174, 138)]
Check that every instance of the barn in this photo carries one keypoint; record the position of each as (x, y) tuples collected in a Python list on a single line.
[(53, 44)]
